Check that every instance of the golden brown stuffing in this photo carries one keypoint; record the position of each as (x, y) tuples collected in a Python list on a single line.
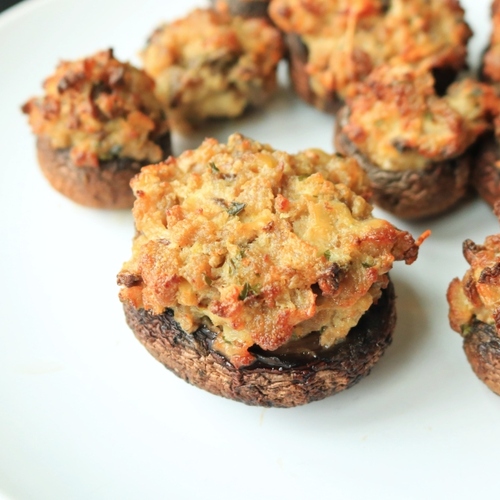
[(397, 120), (262, 246), (491, 62), (347, 39), (212, 65), (100, 108), (477, 295)]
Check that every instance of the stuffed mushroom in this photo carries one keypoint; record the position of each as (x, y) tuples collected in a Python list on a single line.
[(96, 125), (414, 144), (474, 308), (261, 276)]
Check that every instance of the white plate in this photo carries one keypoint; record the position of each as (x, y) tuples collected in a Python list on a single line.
[(86, 413)]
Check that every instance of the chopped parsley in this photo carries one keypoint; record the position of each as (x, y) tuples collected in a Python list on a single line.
[(235, 208), (248, 291)]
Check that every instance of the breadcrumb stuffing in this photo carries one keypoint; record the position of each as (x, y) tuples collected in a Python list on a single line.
[(347, 39), (99, 108), (210, 64), (261, 246), (477, 294), (397, 121)]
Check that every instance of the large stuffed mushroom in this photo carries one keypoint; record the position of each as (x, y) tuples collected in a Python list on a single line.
[(261, 276)]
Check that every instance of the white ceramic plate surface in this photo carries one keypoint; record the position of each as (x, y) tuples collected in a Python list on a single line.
[(86, 413)]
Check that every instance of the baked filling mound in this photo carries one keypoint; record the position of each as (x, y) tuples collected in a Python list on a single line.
[(210, 64), (347, 39), (260, 246), (476, 297), (100, 109), (398, 122)]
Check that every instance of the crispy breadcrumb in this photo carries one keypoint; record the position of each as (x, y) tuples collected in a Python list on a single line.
[(99, 108), (212, 65), (477, 295), (347, 39), (397, 121)]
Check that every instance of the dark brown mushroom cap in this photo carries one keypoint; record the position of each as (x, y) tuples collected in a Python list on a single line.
[(246, 8), (485, 174), (411, 194), (482, 348), (106, 186), (283, 379)]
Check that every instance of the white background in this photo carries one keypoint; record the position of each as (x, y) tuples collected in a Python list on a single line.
[(86, 413)]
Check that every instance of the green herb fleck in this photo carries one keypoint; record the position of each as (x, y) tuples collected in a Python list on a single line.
[(465, 330), (235, 208), (214, 168), (303, 177), (115, 150), (208, 280), (328, 255), (366, 265), (232, 267), (247, 289)]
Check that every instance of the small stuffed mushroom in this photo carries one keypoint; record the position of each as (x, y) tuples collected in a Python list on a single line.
[(98, 123), (245, 8), (474, 308), (414, 144), (335, 44), (261, 276), (212, 65)]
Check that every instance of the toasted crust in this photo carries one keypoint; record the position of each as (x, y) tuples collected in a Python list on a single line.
[(332, 102), (411, 194), (245, 8), (210, 64), (270, 381), (485, 174), (482, 348), (334, 45), (105, 186)]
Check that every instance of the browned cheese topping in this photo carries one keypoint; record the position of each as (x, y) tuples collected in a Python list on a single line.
[(212, 65), (477, 295), (398, 122), (347, 39), (261, 246), (491, 66), (100, 108)]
